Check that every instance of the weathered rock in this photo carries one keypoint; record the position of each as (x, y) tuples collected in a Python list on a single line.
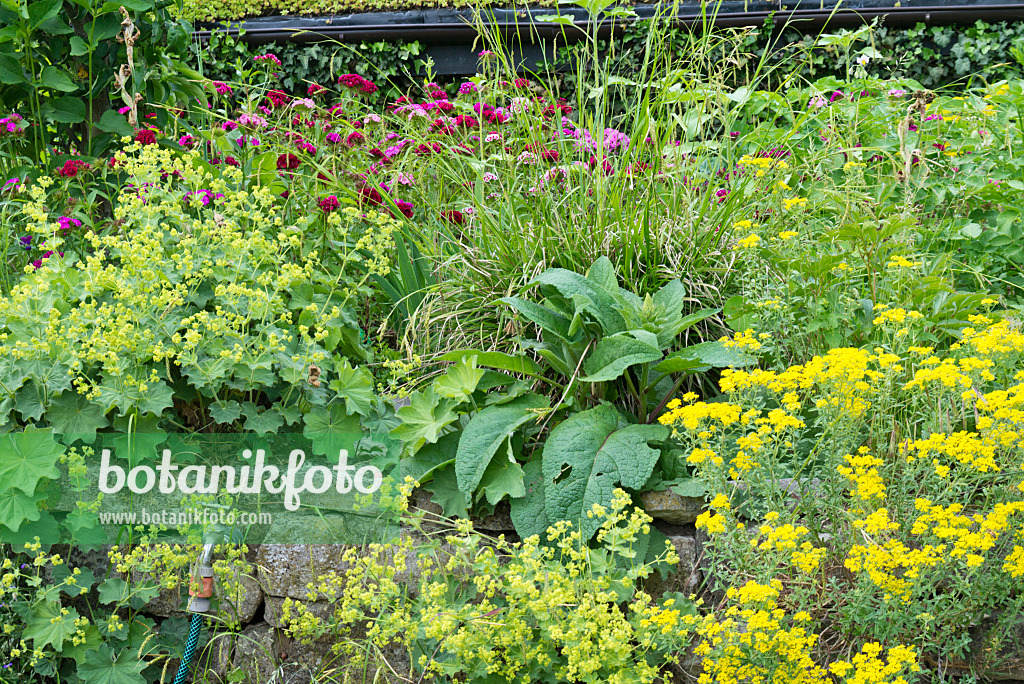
[(686, 576), (257, 653), (668, 506), (241, 605), (284, 570), (215, 657)]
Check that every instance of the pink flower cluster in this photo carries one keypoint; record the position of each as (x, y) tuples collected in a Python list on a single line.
[(357, 82)]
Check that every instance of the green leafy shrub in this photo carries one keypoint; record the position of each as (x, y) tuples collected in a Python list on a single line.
[(60, 62), (200, 309)]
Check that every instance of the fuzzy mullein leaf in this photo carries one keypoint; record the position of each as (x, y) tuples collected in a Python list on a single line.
[(528, 514), (587, 456), (613, 355), (486, 432)]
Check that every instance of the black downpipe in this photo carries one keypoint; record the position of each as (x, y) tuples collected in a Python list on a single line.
[(448, 27)]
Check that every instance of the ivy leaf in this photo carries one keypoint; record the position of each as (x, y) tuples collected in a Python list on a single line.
[(487, 431), (460, 380), (423, 419), (504, 477), (355, 386), (103, 666), (614, 354), (446, 494), (27, 457), (71, 414), (49, 626), (586, 457), (528, 514)]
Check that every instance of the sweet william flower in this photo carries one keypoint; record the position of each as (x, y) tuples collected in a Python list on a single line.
[(329, 204), (145, 136)]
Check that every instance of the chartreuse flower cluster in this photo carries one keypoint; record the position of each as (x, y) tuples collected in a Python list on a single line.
[(540, 610), (226, 295), (907, 491)]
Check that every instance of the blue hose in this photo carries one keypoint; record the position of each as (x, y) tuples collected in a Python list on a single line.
[(190, 648)]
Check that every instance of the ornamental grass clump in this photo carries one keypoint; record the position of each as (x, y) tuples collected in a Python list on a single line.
[(880, 491)]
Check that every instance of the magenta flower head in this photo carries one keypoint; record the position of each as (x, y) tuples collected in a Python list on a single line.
[(267, 60), (329, 204), (357, 82), (467, 88)]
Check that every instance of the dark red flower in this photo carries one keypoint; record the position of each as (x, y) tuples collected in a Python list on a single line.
[(315, 89), (354, 138), (550, 156), (368, 195), (145, 136), (71, 168), (405, 208), (328, 204), (455, 216), (288, 162)]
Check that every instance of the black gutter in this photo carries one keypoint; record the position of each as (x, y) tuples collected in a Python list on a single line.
[(447, 26)]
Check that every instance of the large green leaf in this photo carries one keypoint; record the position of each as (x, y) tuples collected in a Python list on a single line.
[(11, 71), (423, 419), (527, 512), (581, 290), (49, 625), (613, 355), (703, 356), (27, 457), (445, 493), (506, 362), (355, 386), (544, 318), (17, 508), (431, 458), (66, 110), (112, 122), (587, 456), (104, 666), (331, 429), (56, 78), (72, 415), (460, 380), (487, 431), (504, 477), (39, 12)]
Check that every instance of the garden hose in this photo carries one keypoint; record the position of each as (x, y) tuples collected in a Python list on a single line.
[(198, 604), (194, 626)]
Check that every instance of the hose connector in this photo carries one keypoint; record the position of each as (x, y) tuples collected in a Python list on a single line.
[(202, 589)]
